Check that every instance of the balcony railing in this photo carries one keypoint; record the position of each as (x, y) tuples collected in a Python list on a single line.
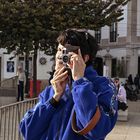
[(10, 82), (10, 116)]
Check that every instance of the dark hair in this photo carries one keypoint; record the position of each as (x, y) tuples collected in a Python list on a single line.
[(116, 79), (82, 38)]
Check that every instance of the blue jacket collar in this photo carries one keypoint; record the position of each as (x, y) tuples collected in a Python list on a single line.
[(90, 73)]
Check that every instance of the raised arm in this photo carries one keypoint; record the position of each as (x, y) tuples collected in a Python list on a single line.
[(86, 102)]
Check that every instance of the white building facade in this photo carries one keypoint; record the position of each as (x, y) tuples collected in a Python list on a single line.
[(119, 54), (44, 65), (120, 44)]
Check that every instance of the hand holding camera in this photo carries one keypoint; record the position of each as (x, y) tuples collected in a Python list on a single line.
[(69, 63), (77, 65), (59, 82), (74, 62)]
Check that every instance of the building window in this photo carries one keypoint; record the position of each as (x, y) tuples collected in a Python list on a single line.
[(98, 35), (113, 32)]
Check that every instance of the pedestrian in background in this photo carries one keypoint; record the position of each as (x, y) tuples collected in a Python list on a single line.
[(130, 79), (20, 83), (137, 82), (121, 95)]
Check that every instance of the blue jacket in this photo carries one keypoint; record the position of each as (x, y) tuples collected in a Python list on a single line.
[(44, 122)]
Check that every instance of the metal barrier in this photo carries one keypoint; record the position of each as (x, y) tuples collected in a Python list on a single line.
[(10, 116)]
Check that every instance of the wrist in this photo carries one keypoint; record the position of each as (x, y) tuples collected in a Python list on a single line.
[(54, 103), (77, 78), (57, 97), (80, 81)]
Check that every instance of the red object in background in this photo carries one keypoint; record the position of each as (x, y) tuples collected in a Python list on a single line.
[(38, 86)]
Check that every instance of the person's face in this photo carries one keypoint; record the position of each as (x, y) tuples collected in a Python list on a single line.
[(116, 82), (58, 61), (20, 69)]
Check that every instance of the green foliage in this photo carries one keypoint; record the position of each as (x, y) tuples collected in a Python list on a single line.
[(25, 21), (22, 23), (91, 14)]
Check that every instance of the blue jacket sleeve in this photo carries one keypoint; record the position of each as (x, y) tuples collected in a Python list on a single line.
[(86, 101), (32, 125)]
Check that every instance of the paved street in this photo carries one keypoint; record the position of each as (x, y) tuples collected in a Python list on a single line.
[(129, 130)]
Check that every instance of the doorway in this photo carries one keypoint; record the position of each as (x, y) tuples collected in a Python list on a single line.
[(139, 65), (114, 67), (98, 65)]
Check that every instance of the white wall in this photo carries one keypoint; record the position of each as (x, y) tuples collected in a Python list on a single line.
[(4, 59), (139, 52), (115, 53), (122, 25), (2, 51), (138, 17), (92, 32), (43, 69), (7, 74), (105, 32)]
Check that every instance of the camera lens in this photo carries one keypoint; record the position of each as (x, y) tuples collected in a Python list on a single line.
[(65, 59)]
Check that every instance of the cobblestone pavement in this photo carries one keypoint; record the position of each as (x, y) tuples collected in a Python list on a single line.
[(129, 130)]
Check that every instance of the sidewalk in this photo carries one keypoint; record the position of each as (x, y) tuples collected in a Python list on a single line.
[(129, 130)]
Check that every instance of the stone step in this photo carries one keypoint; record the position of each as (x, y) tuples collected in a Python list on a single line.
[(123, 115)]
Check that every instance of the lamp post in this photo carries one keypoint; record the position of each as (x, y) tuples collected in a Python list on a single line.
[(108, 63)]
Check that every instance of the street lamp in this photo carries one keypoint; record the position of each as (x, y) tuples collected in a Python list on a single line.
[(108, 49)]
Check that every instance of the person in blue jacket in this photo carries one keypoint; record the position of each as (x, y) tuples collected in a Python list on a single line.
[(83, 109)]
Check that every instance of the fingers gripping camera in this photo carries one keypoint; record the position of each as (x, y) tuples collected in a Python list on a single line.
[(65, 53), (66, 59), (65, 56)]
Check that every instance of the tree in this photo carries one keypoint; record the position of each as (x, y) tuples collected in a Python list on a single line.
[(30, 25), (27, 24), (91, 14)]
